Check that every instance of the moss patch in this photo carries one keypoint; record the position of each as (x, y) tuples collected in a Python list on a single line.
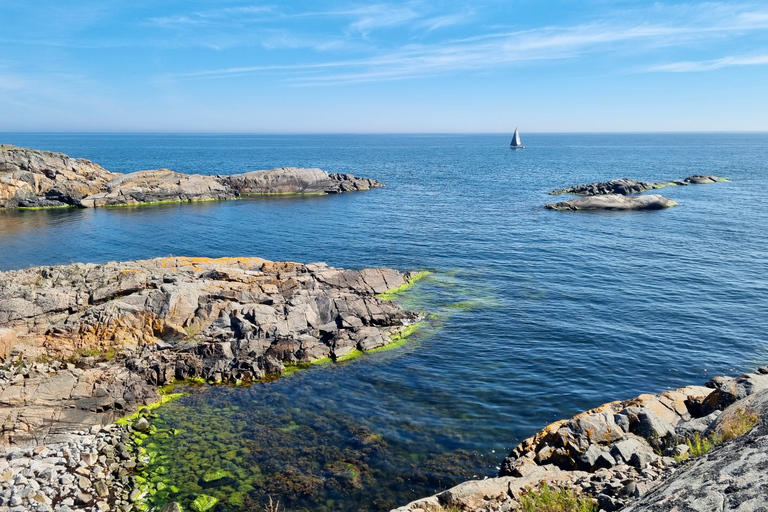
[(400, 338), (145, 409), (410, 281)]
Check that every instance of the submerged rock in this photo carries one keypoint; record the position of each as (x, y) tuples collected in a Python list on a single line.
[(41, 179), (615, 202)]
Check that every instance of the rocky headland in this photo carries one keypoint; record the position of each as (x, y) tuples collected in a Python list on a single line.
[(88, 343), (637, 455), (84, 344), (31, 178)]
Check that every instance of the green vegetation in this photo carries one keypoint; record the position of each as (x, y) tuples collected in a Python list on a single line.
[(410, 281), (82, 353), (191, 330), (547, 499), (349, 356), (145, 410), (400, 338), (45, 207), (738, 424), (732, 427), (698, 446), (203, 503)]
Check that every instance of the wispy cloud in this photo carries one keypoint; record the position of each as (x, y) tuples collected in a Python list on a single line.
[(205, 17), (710, 65), (682, 25)]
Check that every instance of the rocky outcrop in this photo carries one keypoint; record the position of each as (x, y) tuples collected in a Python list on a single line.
[(627, 186), (623, 454), (227, 319), (624, 186), (615, 202), (703, 179), (730, 477), (33, 179)]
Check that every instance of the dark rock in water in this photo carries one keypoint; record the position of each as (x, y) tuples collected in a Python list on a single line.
[(624, 186), (614, 202), (702, 179), (41, 179)]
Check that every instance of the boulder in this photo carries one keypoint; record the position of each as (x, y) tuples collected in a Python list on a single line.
[(615, 202)]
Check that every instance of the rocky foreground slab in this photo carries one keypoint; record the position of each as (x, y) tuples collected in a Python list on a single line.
[(632, 455), (32, 178), (92, 342)]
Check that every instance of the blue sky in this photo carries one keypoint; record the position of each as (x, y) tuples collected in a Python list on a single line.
[(392, 66)]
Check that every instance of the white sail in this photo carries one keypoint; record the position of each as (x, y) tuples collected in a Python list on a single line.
[(516, 140)]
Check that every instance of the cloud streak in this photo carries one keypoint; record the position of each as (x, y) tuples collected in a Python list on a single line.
[(711, 65), (508, 48)]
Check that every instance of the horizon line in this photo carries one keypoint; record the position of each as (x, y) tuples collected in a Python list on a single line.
[(257, 133)]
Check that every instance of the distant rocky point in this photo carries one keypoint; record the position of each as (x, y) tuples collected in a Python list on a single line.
[(614, 202), (31, 178)]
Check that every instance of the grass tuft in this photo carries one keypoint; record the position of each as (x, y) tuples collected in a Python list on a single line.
[(547, 499), (732, 427), (738, 424), (698, 446)]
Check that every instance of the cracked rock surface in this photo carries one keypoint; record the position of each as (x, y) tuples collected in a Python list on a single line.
[(222, 320)]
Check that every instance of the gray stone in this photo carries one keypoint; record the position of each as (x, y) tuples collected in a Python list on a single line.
[(141, 425), (615, 202)]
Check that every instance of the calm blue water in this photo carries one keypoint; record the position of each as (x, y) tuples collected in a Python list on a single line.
[(544, 314)]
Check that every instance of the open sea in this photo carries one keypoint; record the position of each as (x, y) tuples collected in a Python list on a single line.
[(542, 314)]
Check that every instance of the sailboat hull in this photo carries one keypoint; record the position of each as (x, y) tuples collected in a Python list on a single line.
[(516, 147)]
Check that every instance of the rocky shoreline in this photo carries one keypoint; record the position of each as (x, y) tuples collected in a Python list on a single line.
[(634, 455), (31, 178), (86, 344)]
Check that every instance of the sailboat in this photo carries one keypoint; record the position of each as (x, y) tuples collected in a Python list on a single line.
[(516, 144)]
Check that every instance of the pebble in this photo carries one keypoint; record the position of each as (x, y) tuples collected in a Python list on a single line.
[(89, 472)]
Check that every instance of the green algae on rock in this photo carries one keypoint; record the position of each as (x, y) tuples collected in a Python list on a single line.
[(410, 280)]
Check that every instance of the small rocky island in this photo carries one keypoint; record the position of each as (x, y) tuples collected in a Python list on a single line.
[(30, 178), (616, 194)]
